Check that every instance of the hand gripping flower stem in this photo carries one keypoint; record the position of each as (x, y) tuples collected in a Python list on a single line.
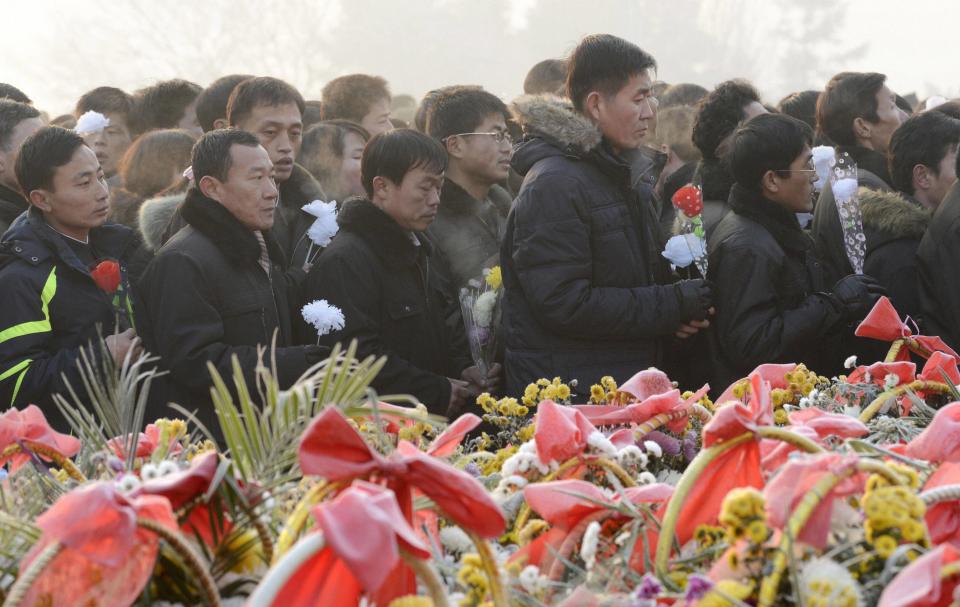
[(295, 523), (63, 462), (916, 386), (492, 570), (608, 464), (692, 474), (22, 586), (803, 512), (190, 557)]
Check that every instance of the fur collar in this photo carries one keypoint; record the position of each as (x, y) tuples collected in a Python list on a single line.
[(554, 118), (234, 240), (155, 216), (893, 213), (381, 233)]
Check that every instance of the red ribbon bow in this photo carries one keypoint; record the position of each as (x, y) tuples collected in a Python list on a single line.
[(883, 323), (31, 425), (920, 584), (561, 432), (331, 448), (939, 441)]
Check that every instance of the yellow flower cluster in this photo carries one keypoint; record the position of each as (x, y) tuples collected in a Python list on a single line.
[(414, 432), (494, 278), (708, 536), (412, 601), (499, 412), (544, 389), (824, 591), (705, 401), (532, 530), (894, 515), (743, 515), (495, 463), (724, 591), (800, 383), (604, 392), (473, 580)]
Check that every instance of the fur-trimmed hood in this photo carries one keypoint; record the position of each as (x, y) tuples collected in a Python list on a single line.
[(155, 217), (551, 126), (892, 214)]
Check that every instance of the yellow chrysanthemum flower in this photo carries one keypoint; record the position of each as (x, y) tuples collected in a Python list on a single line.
[(494, 278)]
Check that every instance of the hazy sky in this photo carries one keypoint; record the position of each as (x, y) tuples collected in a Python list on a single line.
[(55, 50)]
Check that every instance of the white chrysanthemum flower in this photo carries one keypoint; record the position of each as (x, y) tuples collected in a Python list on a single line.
[(824, 157), (890, 381), (531, 580), (653, 448), (668, 476), (483, 309), (851, 362), (601, 443), (526, 458), (646, 478), (325, 227), (681, 250), (631, 455), (323, 316), (128, 483), (825, 582), (588, 547), (845, 189), (149, 472), (167, 467), (91, 122), (455, 539), (508, 487)]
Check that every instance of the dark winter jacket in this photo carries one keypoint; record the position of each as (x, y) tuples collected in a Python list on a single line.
[(938, 258), (715, 182), (292, 222), (826, 231), (12, 204), (52, 307), (395, 304), (467, 232), (586, 291), (769, 292), (205, 298)]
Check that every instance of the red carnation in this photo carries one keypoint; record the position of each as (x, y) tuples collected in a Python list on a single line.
[(107, 276), (689, 200)]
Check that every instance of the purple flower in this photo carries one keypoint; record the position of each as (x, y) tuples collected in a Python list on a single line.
[(690, 446), (668, 444), (472, 469), (649, 588), (697, 587)]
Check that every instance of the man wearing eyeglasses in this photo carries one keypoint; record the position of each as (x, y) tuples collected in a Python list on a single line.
[(773, 295), (472, 125)]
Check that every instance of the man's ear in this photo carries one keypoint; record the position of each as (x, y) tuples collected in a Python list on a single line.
[(592, 105), (211, 187), (454, 147), (41, 200), (380, 185), (862, 128), (921, 177), (770, 182)]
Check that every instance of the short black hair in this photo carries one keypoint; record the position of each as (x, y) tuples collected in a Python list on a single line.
[(547, 76), (350, 97), (604, 63), (426, 104), (42, 154), (211, 153), (922, 139), (802, 105), (105, 99), (311, 112), (8, 91), (262, 91), (767, 142), (682, 93), (848, 95), (12, 113), (212, 101), (950, 108), (162, 105), (720, 113), (462, 110), (395, 153)]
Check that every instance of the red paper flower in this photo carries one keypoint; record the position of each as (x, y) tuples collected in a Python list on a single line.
[(688, 199), (31, 425), (107, 276)]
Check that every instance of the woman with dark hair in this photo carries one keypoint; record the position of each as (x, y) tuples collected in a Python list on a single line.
[(331, 152)]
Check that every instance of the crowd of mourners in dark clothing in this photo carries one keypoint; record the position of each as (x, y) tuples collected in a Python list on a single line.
[(177, 220)]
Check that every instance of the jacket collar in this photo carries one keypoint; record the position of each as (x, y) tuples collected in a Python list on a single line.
[(381, 233), (13, 199), (781, 223), (455, 199), (869, 160), (895, 214), (225, 231)]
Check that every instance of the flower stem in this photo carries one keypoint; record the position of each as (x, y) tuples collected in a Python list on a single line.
[(22, 586), (429, 577), (491, 568), (894, 351), (63, 462), (189, 556)]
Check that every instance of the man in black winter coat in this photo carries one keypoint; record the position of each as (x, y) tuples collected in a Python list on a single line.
[(588, 293), (937, 260), (858, 112), (17, 122), (774, 304), (217, 289), (381, 272), (52, 304)]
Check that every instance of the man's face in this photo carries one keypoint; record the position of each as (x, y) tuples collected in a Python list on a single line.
[(111, 143), (189, 122), (249, 193), (377, 119), (795, 189), (889, 118), (280, 131), (350, 183), (78, 201), (482, 157), (624, 118), (414, 202), (944, 180), (8, 156)]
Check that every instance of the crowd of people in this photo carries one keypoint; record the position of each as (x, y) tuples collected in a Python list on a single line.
[(173, 220)]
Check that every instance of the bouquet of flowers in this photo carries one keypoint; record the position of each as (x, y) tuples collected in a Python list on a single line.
[(690, 244), (480, 304), (843, 180)]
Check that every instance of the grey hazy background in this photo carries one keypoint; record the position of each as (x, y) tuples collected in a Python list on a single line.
[(57, 49)]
